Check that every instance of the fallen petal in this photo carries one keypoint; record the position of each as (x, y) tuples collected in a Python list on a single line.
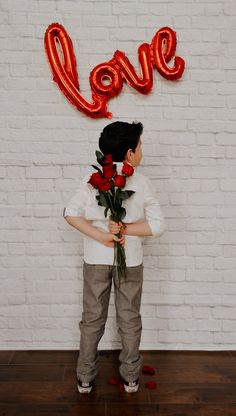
[(112, 381), (151, 385), (148, 370)]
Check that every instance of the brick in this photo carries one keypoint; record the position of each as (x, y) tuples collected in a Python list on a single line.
[(188, 152), (229, 8), (203, 22), (41, 172)]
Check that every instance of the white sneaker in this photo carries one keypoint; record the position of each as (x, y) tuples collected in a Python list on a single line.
[(84, 387), (131, 386)]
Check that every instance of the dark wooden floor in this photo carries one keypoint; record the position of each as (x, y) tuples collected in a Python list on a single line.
[(189, 383)]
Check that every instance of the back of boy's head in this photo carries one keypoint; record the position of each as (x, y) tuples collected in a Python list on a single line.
[(118, 137)]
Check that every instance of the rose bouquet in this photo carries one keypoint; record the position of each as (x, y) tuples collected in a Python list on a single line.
[(109, 184)]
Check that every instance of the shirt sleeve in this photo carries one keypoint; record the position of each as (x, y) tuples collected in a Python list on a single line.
[(153, 211), (76, 206)]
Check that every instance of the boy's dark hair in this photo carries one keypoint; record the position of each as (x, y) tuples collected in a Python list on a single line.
[(118, 137)]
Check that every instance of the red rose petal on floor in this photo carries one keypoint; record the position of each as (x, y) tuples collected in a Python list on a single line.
[(121, 386), (151, 385), (151, 371), (148, 370), (112, 381)]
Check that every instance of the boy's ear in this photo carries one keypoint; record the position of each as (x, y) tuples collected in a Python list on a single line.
[(128, 155)]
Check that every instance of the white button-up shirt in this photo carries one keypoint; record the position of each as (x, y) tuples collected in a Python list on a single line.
[(142, 205)]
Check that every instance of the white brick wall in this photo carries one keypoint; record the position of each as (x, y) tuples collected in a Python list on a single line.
[(189, 153)]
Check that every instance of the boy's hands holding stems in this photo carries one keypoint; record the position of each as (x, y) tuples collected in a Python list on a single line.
[(108, 238), (116, 227), (85, 226), (141, 228)]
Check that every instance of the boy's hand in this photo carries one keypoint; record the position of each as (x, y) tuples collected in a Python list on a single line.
[(115, 227), (109, 238)]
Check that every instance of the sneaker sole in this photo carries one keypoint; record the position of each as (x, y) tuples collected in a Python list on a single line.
[(131, 389), (84, 390)]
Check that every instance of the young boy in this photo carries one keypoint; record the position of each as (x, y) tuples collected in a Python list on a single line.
[(143, 218)]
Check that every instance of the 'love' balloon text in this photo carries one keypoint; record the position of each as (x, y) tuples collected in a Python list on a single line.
[(118, 69)]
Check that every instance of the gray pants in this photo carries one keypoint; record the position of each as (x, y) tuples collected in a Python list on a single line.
[(97, 281)]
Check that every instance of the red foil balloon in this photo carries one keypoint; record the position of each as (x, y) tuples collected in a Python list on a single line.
[(144, 84), (117, 70), (66, 74), (103, 71), (161, 57)]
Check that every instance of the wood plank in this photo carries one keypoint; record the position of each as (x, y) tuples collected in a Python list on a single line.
[(218, 410), (81, 409), (64, 392), (44, 357), (186, 357), (233, 355), (152, 410), (189, 383), (5, 356), (32, 372), (197, 393)]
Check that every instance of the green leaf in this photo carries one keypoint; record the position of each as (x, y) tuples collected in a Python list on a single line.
[(105, 212), (103, 201), (96, 167), (117, 200), (118, 191), (126, 194), (122, 213), (100, 157)]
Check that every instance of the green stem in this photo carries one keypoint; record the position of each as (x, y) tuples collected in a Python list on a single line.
[(111, 204)]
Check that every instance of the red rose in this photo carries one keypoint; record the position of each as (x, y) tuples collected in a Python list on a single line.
[(109, 171), (107, 160), (104, 185), (112, 381), (127, 169), (119, 181), (148, 370), (151, 385), (95, 179)]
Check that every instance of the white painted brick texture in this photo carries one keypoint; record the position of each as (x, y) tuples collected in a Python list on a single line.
[(189, 151)]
